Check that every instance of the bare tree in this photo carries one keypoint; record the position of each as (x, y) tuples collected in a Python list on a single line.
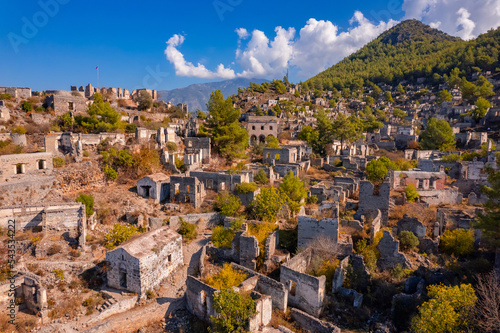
[(488, 304)]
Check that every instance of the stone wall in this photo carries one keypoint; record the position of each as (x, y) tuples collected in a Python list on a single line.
[(58, 217), (370, 202), (210, 219), (376, 225), (279, 155), (199, 298), (27, 190), (219, 181), (311, 229), (308, 322), (267, 286), (187, 190), (389, 253), (63, 104), (305, 291), (16, 92)]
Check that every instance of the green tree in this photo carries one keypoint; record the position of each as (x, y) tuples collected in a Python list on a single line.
[(489, 222), (233, 310), (26, 106), (267, 204), (459, 242), (469, 90), (482, 106), (188, 231), (438, 135), (400, 89), (88, 201), (398, 113), (294, 189), (388, 97), (377, 169), (272, 142), (144, 100), (484, 87), (227, 204), (411, 193), (444, 96), (346, 129), (228, 137), (448, 310), (201, 115)]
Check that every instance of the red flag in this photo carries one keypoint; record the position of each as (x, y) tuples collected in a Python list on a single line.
[(97, 67)]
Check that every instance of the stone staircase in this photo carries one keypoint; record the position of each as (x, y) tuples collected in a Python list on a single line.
[(107, 304)]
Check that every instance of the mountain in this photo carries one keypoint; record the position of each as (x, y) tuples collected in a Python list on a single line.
[(408, 51), (196, 95)]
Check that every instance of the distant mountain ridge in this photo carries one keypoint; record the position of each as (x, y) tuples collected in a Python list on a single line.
[(196, 95)]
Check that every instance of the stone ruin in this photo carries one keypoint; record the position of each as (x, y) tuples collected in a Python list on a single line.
[(389, 253), (34, 294), (370, 201)]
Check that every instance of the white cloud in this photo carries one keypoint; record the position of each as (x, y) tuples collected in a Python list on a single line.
[(184, 68), (242, 33), (321, 45), (264, 58), (463, 18)]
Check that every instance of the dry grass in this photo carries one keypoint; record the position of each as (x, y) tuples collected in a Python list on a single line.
[(280, 318), (425, 215)]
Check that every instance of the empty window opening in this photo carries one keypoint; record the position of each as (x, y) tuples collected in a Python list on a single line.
[(262, 127), (42, 165), (176, 189), (71, 106), (146, 191), (169, 258), (187, 199), (277, 157), (20, 168), (268, 155), (293, 287), (210, 183), (188, 189)]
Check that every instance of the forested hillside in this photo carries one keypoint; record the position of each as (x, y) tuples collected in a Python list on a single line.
[(409, 51)]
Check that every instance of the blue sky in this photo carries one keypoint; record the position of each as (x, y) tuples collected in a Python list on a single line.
[(53, 44)]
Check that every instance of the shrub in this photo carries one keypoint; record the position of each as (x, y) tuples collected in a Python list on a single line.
[(150, 294), (227, 277), (222, 237), (227, 204), (459, 242), (451, 158), (86, 153), (398, 272), (245, 188), (58, 162), (88, 201), (172, 147), (408, 240), (5, 96), (411, 193), (26, 106), (19, 130), (54, 249), (312, 199), (369, 252), (188, 231), (261, 177), (110, 172), (233, 311), (59, 273), (268, 204), (119, 234), (130, 128)]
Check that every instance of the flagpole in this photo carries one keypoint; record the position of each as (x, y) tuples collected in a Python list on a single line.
[(97, 68)]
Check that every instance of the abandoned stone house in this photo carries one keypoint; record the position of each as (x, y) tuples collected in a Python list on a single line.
[(222, 181), (285, 159), (471, 140), (16, 92), (143, 263), (34, 294), (305, 291), (420, 179), (260, 127), (61, 218), (187, 189), (19, 166), (267, 293), (155, 186), (64, 101), (199, 144), (70, 143)]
